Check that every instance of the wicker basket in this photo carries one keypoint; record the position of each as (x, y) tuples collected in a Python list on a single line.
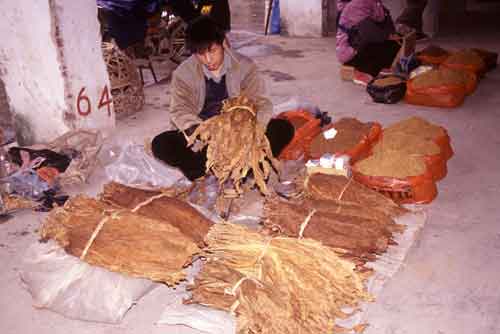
[(126, 87)]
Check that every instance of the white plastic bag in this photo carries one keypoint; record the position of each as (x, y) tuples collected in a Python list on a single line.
[(197, 317), (294, 103), (64, 284), (134, 167)]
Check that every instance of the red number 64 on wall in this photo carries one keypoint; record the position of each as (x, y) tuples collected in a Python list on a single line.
[(84, 106)]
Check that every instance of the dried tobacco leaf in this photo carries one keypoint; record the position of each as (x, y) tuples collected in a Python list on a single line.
[(277, 285), (237, 144), (123, 241)]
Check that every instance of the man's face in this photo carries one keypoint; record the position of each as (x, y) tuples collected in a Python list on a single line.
[(213, 57)]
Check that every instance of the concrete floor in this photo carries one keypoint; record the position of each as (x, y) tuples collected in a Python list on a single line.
[(449, 284)]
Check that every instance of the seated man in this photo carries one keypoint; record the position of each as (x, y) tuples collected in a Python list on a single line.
[(125, 21), (199, 85), (365, 37)]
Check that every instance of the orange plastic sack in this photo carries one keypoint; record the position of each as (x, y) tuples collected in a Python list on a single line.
[(466, 60), (411, 190), (433, 55), (445, 92), (306, 128), (444, 144), (436, 165), (442, 97), (490, 58)]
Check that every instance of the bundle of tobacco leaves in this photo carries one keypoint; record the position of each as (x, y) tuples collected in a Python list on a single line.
[(277, 285), (237, 144), (354, 231), (120, 240), (342, 190), (162, 206)]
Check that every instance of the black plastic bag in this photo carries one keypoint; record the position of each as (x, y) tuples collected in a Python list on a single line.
[(52, 159), (387, 89)]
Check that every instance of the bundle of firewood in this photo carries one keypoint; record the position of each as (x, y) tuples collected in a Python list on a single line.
[(237, 144), (276, 285), (122, 240)]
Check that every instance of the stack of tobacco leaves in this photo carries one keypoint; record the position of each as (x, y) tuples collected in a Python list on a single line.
[(350, 132), (354, 231), (176, 212), (237, 144), (276, 285), (120, 240), (341, 190), (401, 151)]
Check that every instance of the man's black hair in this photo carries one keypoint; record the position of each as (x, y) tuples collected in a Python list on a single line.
[(201, 33)]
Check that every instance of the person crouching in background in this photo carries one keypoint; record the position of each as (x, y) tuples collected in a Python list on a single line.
[(366, 38)]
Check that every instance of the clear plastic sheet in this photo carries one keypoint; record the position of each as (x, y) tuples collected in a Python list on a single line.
[(64, 284), (205, 193), (25, 183), (132, 166)]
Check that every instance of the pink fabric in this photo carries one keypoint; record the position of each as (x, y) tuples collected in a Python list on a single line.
[(352, 13)]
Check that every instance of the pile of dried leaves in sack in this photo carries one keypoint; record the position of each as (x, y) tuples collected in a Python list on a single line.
[(440, 77), (340, 213), (401, 151), (123, 240), (350, 132), (277, 285), (237, 144)]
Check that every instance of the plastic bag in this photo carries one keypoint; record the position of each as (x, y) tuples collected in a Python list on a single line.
[(26, 183), (82, 146), (64, 284), (433, 55), (201, 318), (205, 193), (134, 167), (440, 88), (387, 89), (295, 103)]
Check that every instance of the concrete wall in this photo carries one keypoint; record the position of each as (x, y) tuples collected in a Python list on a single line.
[(49, 51), (30, 69), (301, 18), (5, 116), (82, 58)]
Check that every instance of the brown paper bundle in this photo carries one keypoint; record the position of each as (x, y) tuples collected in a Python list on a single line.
[(340, 189), (277, 285), (237, 144), (355, 232), (163, 208), (119, 240)]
